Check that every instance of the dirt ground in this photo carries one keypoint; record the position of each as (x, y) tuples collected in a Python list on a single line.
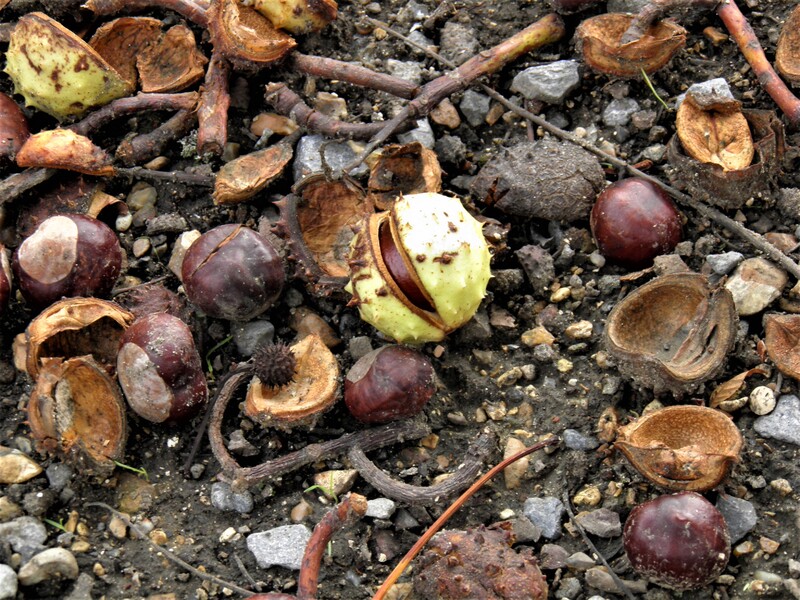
[(469, 364)]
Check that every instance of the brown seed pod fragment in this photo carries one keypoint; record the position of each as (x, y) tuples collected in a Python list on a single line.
[(673, 333), (599, 38), (243, 177), (478, 563), (312, 391), (122, 40), (730, 189), (782, 339), (787, 53), (77, 411), (75, 327), (64, 149), (171, 63), (682, 448), (244, 36), (402, 169)]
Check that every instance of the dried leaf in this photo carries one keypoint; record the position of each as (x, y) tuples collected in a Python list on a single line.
[(172, 63), (122, 40), (64, 149), (244, 177), (787, 54), (727, 390), (782, 339), (713, 136)]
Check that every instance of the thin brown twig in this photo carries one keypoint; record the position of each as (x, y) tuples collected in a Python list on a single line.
[(198, 179), (450, 511), (17, 184), (146, 146), (465, 474), (212, 111), (754, 239), (194, 11), (656, 10)]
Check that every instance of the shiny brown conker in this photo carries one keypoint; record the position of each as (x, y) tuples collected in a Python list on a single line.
[(633, 221), (392, 382), (66, 256), (160, 370), (679, 541), (231, 272)]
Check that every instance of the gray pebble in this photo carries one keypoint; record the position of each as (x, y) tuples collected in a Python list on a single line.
[(569, 588), (450, 149), (337, 155), (553, 556), (223, 498), (422, 133), (474, 107), (458, 42), (575, 440), (404, 69), (546, 514), (411, 12), (82, 590), (53, 563), (249, 336), (8, 582), (724, 263), (618, 112), (381, 508), (602, 522), (58, 475), (739, 515), (240, 445), (24, 534), (549, 82), (282, 546), (783, 423), (581, 561), (359, 346)]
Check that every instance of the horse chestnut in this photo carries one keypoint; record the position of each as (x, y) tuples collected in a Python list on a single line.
[(5, 280), (67, 255), (231, 272), (679, 541), (633, 221), (160, 370), (389, 383)]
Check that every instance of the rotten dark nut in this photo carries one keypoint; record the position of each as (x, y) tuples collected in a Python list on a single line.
[(231, 272), (160, 370), (67, 255), (393, 382), (633, 221), (679, 541)]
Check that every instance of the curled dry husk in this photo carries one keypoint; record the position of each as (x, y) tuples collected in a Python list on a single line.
[(244, 36), (312, 391), (56, 71), (64, 149), (673, 333), (682, 448), (72, 327), (243, 177), (787, 54), (298, 16), (318, 222), (599, 38), (402, 169), (76, 411), (782, 339), (731, 189)]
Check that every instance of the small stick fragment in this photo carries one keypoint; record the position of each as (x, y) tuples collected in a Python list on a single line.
[(193, 11), (149, 145), (128, 106), (198, 179), (417, 494), (17, 184), (212, 113)]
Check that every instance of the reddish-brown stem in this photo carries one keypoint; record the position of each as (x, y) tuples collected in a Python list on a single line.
[(212, 112), (350, 509), (450, 511), (128, 106), (748, 43), (320, 66), (187, 8), (149, 145)]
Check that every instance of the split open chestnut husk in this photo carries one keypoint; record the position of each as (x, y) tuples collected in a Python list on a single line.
[(682, 448), (312, 391), (402, 169), (787, 52), (673, 333), (76, 411)]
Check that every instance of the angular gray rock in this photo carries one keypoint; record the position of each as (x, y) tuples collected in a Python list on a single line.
[(549, 83), (281, 546), (739, 514), (546, 514), (783, 423)]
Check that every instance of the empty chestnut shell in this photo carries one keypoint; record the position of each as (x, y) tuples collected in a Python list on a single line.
[(682, 448), (160, 370), (679, 541), (231, 272), (389, 383), (673, 333), (67, 255)]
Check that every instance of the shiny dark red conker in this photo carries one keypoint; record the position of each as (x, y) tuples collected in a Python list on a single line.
[(679, 541), (392, 382), (231, 272), (160, 370), (633, 221), (67, 255)]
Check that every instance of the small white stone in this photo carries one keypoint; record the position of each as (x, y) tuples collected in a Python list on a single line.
[(762, 400), (227, 535)]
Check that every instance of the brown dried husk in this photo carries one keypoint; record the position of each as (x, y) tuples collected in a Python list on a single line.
[(318, 223), (76, 327), (731, 189), (673, 333), (64, 149), (121, 41), (787, 54), (782, 339), (172, 63), (682, 448), (244, 36), (312, 391), (76, 411), (600, 43), (402, 169), (243, 177), (720, 137)]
